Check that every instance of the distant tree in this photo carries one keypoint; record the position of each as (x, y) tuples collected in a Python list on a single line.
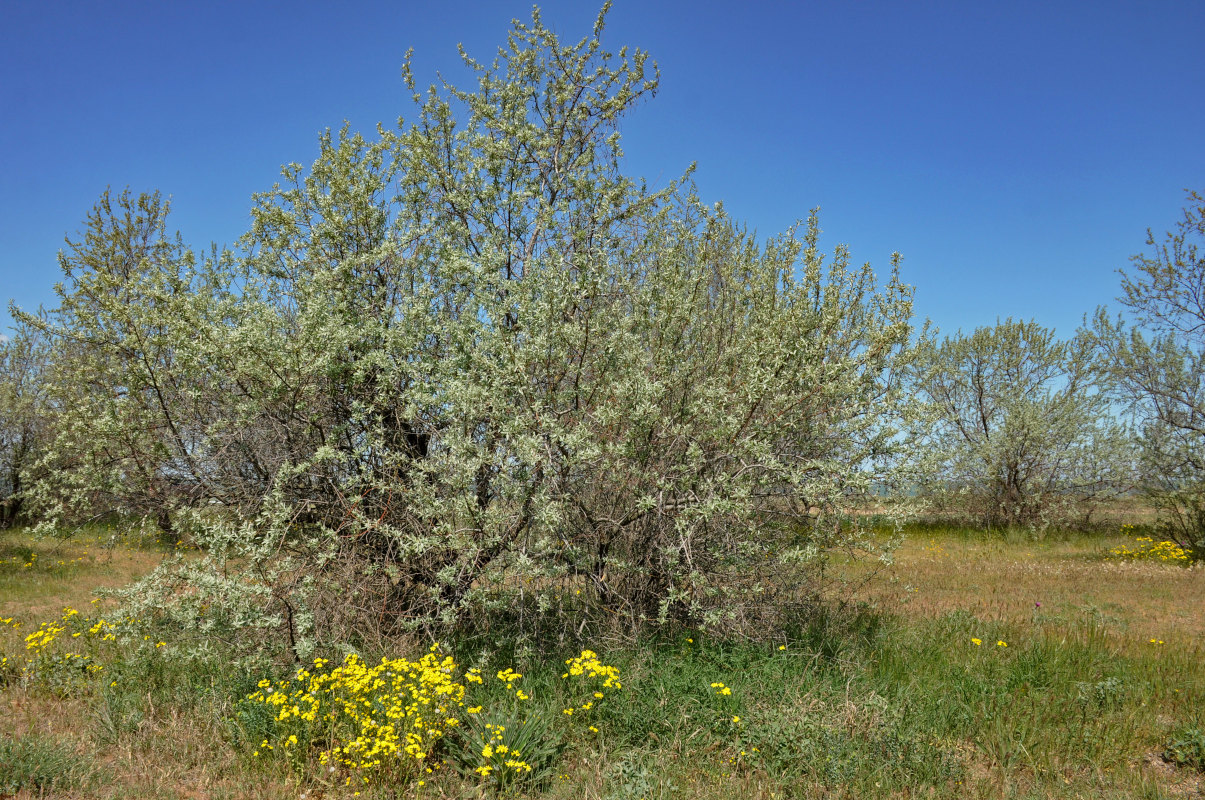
[(1022, 432), (120, 443), (23, 416), (1158, 361)]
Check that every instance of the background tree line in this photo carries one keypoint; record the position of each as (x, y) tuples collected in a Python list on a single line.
[(469, 369), (1029, 430)]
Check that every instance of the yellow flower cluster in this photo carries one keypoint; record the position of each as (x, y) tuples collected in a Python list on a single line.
[(721, 689), (589, 667), (497, 755), (42, 638), (389, 719), (380, 719), (588, 664), (1148, 549), (47, 632), (70, 641)]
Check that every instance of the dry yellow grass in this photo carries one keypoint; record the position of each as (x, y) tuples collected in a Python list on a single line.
[(997, 580), (67, 572), (166, 755)]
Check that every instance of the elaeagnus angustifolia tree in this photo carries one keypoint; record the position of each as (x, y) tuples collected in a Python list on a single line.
[(121, 437), (469, 370), (1158, 363), (1023, 433)]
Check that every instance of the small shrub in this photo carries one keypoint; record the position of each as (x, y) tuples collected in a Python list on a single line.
[(1100, 695), (630, 778)]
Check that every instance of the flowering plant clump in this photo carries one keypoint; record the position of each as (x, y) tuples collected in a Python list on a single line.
[(501, 744), (384, 719), (589, 668), (76, 626), (1147, 549), (62, 654), (394, 720), (519, 740), (728, 724)]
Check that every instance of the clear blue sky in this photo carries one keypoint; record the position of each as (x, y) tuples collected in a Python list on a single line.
[(1014, 153)]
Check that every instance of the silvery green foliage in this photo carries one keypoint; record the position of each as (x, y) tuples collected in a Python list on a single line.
[(470, 367), (119, 440), (254, 589), (1158, 363), (1023, 434), (23, 424)]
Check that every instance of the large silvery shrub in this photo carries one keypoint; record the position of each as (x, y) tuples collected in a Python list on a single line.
[(470, 369)]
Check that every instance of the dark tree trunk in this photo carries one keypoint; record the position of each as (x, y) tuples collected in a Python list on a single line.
[(10, 507)]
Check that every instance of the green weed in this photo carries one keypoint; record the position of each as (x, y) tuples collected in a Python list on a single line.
[(1187, 749), (39, 764)]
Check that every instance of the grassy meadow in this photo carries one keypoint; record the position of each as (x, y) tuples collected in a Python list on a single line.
[(976, 665)]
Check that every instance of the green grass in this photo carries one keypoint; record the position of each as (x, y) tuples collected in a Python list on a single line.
[(40, 765), (885, 697)]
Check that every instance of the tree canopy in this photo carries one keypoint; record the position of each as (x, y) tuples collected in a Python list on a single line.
[(1157, 358), (1022, 428), (468, 368)]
